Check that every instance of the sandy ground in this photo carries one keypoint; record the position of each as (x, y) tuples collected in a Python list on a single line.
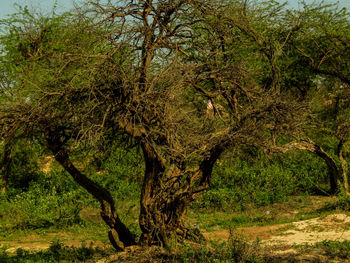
[(281, 240), (334, 227)]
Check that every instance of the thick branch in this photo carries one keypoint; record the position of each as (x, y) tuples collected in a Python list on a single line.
[(344, 165), (310, 146), (5, 165), (119, 234)]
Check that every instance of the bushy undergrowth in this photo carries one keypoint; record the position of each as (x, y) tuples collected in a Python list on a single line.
[(238, 183), (119, 170), (237, 250), (342, 203), (335, 248), (50, 201), (22, 166), (54, 199)]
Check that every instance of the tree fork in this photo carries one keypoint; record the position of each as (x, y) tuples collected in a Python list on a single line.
[(165, 198), (162, 209)]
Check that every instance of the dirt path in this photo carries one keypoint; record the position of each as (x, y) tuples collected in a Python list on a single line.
[(334, 227), (282, 240)]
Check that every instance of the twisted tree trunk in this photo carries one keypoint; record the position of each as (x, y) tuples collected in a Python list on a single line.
[(163, 209), (151, 215), (119, 235), (5, 166), (166, 195), (344, 165)]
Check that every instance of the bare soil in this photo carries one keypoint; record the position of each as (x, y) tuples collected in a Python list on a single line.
[(280, 242)]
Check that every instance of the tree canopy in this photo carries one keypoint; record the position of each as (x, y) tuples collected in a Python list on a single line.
[(185, 80)]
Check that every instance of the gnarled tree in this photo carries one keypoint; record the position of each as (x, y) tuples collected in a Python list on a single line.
[(146, 70)]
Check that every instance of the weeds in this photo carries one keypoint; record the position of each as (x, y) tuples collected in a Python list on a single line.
[(335, 248), (57, 252), (38, 208), (237, 250)]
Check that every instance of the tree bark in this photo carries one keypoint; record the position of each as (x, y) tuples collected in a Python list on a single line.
[(165, 196), (344, 165), (163, 208), (310, 146), (5, 166), (119, 235), (152, 217)]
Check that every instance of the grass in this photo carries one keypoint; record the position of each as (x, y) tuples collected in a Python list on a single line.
[(294, 209), (72, 239), (335, 249), (91, 231), (328, 249), (93, 228), (237, 249), (283, 229), (57, 252)]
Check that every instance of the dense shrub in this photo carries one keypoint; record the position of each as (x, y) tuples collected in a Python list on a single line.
[(238, 249), (122, 173), (55, 199), (41, 208), (23, 165), (238, 183)]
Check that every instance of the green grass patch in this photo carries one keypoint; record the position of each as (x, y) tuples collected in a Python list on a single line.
[(335, 249), (293, 209), (57, 252)]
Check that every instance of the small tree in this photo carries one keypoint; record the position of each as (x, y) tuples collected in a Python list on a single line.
[(146, 71)]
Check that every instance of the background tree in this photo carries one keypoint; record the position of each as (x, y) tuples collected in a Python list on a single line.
[(324, 49), (312, 61)]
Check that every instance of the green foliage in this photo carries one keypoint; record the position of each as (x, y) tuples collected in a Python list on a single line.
[(23, 168), (122, 173), (309, 172), (237, 183), (335, 249), (53, 200), (342, 203), (39, 208)]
